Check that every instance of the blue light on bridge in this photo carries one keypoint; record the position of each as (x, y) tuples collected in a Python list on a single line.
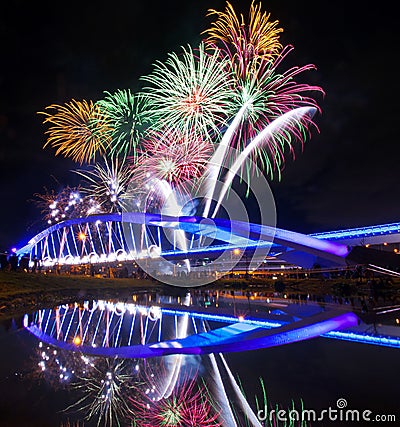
[(351, 233), (380, 340), (223, 318)]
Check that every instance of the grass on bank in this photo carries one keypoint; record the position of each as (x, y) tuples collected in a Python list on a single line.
[(21, 291), (19, 283)]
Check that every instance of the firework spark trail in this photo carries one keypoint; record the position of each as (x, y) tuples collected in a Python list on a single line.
[(287, 120), (217, 159), (226, 410), (273, 94), (255, 55), (177, 359), (171, 207), (251, 416)]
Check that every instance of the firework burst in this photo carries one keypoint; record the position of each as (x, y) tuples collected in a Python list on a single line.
[(66, 204), (270, 95), (189, 405), (191, 92), (77, 130), (245, 45), (106, 391), (123, 114), (198, 106), (256, 56), (176, 157), (108, 183)]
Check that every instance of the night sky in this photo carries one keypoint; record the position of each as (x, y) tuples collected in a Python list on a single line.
[(347, 174)]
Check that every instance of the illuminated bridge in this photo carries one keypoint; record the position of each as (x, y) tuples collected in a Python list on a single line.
[(148, 237), (371, 235)]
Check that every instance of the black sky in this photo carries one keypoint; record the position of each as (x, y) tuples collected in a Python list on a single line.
[(347, 174)]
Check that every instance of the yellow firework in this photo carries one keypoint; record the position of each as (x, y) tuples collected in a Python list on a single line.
[(245, 44), (77, 130)]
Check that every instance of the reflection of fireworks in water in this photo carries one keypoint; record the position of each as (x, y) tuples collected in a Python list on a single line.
[(165, 393), (104, 383), (105, 392), (268, 415), (58, 367), (108, 183), (189, 405), (237, 410), (77, 130)]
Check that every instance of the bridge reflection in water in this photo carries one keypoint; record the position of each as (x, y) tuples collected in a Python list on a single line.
[(158, 344), (133, 330)]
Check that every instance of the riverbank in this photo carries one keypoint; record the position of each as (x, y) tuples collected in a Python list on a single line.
[(25, 292)]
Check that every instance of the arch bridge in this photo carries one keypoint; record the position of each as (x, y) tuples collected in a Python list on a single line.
[(135, 236)]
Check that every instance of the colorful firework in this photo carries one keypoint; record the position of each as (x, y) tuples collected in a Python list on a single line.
[(78, 130), (57, 367), (123, 113), (270, 95), (189, 405), (176, 157), (256, 56), (108, 183), (229, 91), (191, 92), (106, 391), (291, 123), (268, 414), (66, 204), (245, 45)]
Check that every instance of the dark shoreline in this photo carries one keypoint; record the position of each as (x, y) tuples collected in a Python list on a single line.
[(22, 292)]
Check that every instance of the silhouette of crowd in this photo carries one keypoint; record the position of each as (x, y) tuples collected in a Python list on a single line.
[(12, 262)]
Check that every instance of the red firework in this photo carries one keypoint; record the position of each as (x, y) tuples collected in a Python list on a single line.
[(173, 156), (189, 405)]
